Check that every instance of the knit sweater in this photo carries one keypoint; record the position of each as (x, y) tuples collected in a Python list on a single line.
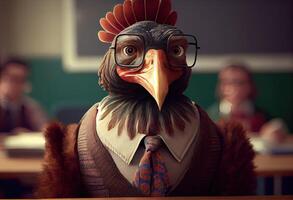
[(102, 178)]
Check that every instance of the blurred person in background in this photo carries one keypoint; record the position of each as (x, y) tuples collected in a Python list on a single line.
[(236, 91), (18, 112)]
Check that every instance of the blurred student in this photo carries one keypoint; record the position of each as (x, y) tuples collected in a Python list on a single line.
[(236, 92), (18, 113)]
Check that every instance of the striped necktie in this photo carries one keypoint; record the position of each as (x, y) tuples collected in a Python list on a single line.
[(151, 177)]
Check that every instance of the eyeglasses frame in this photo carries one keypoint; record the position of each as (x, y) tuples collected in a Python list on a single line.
[(145, 50)]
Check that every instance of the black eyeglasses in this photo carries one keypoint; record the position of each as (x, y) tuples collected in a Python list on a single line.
[(130, 50)]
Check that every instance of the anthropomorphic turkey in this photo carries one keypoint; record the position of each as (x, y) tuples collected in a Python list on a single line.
[(146, 138)]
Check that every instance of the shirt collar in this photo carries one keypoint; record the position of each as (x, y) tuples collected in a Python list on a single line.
[(178, 143)]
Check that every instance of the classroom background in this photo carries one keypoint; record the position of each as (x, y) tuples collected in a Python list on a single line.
[(34, 30)]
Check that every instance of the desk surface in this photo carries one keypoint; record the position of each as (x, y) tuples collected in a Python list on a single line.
[(274, 165), (266, 165), (19, 167)]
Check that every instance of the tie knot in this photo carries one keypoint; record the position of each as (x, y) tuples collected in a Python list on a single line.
[(152, 143)]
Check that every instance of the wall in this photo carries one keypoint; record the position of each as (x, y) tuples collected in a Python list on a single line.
[(3, 27), (33, 27)]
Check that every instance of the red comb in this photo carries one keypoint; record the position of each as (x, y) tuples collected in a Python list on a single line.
[(119, 15), (164, 11), (172, 18), (112, 20), (106, 37), (128, 12), (133, 11), (108, 27), (151, 9)]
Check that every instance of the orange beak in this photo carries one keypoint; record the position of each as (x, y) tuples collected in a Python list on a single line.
[(155, 75)]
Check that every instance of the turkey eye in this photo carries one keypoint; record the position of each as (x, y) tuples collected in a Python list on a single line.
[(129, 50), (177, 51)]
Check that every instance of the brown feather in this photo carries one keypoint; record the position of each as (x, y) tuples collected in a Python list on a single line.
[(236, 175), (167, 120), (141, 115), (60, 163)]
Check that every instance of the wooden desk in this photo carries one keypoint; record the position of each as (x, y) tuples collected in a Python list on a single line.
[(274, 165), (19, 167)]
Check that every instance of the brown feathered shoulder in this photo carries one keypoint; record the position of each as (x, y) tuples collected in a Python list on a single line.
[(61, 174), (236, 175)]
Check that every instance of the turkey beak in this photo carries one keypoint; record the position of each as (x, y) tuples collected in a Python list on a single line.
[(155, 75)]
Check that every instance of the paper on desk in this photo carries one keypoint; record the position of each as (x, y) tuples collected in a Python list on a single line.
[(262, 146), (33, 140)]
